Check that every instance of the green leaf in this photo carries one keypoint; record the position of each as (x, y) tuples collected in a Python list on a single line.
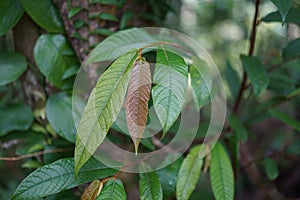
[(54, 55), (233, 80), (113, 189), (271, 169), (31, 164), (292, 49), (286, 118), (108, 2), (283, 6), (74, 11), (125, 19), (15, 117), (59, 113), (170, 79), (79, 23), (45, 14), (12, 66), (168, 178), (102, 108), (189, 173), (201, 82), (70, 72), (221, 174), (102, 31), (256, 73), (108, 17), (118, 44), (238, 128), (59, 176), (149, 185), (78, 36), (294, 148), (293, 16), (11, 12), (281, 83)]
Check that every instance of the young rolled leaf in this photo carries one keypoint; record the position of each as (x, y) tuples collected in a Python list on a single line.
[(256, 73), (58, 176), (137, 99), (113, 189), (92, 191), (102, 108), (221, 174), (171, 79), (149, 185), (201, 82), (189, 173)]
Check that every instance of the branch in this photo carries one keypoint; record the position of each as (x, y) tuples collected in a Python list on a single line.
[(35, 154), (250, 53)]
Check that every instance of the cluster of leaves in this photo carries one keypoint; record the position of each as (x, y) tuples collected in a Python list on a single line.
[(130, 72), (273, 81), (44, 128)]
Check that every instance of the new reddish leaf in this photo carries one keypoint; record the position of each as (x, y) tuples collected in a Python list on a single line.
[(92, 191), (138, 95)]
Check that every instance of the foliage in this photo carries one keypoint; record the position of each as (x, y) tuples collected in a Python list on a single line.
[(39, 113)]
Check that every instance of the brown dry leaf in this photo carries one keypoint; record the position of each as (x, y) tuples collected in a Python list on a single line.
[(92, 191), (138, 95)]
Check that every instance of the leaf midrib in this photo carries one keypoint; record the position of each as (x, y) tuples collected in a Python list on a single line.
[(221, 173), (169, 91), (64, 174), (190, 169)]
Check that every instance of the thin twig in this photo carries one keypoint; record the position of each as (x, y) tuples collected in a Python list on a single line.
[(35, 154)]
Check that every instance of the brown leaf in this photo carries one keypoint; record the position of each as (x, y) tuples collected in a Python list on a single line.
[(138, 95), (92, 191)]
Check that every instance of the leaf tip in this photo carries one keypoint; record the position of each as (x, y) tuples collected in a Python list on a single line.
[(136, 142)]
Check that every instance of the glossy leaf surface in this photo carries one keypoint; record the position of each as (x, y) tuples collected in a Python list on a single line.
[(45, 14), (12, 66)]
